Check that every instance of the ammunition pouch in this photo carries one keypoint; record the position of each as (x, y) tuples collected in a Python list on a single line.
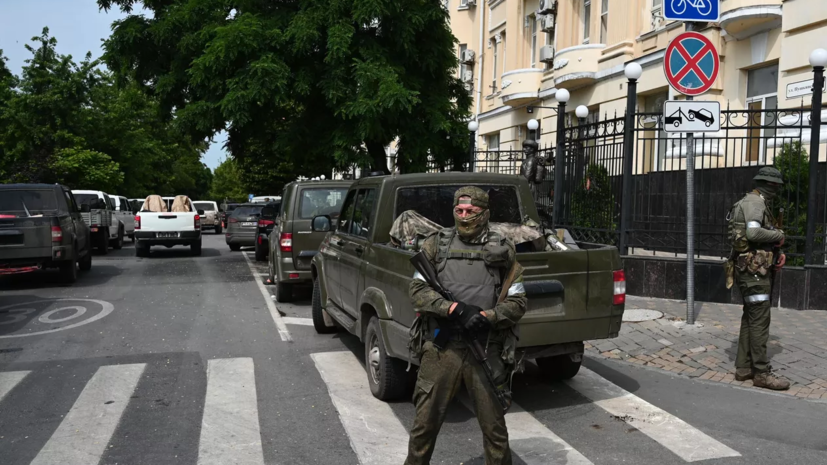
[(729, 271), (757, 262)]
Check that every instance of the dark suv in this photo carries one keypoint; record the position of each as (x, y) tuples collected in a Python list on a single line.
[(266, 223), (242, 225), (292, 242)]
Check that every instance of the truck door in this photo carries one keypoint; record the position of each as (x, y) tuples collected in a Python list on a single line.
[(354, 251), (335, 249)]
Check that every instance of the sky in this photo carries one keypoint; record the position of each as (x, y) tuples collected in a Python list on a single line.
[(78, 26)]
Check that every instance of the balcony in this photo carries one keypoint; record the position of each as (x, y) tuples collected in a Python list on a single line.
[(744, 18), (521, 86), (577, 66)]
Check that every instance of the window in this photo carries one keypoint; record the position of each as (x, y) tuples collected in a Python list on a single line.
[(532, 21), (502, 39), (315, 202), (206, 206), (347, 213), (587, 19), (657, 13), (762, 95), (463, 3), (462, 66), (362, 219), (493, 141), (437, 203), (604, 22), (17, 202), (247, 211), (495, 46)]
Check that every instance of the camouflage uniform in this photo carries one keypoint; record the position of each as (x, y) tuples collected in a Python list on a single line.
[(753, 236), (443, 370)]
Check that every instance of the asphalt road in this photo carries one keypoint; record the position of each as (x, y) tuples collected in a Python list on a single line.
[(174, 359)]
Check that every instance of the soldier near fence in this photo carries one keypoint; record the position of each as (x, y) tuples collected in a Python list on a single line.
[(471, 262), (756, 256)]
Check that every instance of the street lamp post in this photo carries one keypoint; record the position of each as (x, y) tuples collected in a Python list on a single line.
[(473, 125), (562, 97), (533, 125), (632, 72), (818, 59)]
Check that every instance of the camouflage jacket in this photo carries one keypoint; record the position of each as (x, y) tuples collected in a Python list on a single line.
[(756, 217), (504, 315)]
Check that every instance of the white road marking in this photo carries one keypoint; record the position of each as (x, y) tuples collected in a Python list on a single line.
[(10, 379), (298, 321), (84, 433), (376, 434), (686, 441), (106, 309), (284, 333), (229, 428), (531, 440)]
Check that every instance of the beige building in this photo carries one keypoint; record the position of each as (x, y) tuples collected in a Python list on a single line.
[(518, 53)]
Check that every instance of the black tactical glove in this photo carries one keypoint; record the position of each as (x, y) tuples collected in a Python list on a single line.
[(477, 323), (469, 317)]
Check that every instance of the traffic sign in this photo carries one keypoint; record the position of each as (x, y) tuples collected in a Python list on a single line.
[(691, 116), (692, 10), (691, 63)]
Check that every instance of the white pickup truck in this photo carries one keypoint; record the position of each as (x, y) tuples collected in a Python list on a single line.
[(106, 227), (167, 228)]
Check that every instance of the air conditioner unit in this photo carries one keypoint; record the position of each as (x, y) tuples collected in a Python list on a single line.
[(548, 7), (468, 76), (547, 54), (548, 23), (471, 2), (467, 57), (469, 87)]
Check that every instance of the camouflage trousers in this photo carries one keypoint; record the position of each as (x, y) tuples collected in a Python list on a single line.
[(441, 372), (755, 322)]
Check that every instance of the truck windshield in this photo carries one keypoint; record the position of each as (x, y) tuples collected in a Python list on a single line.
[(315, 202), (206, 206), (14, 202), (437, 203)]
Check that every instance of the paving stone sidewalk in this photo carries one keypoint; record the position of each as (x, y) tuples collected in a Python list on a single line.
[(797, 346)]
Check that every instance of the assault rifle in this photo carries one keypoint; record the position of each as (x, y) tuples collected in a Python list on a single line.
[(426, 269)]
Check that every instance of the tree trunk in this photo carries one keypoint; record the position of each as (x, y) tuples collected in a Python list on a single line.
[(379, 159)]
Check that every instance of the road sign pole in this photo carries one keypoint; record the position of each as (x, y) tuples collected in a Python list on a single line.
[(690, 217)]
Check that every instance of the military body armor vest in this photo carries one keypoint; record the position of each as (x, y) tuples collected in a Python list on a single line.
[(737, 227), (463, 271)]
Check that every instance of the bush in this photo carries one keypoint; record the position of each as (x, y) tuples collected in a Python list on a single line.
[(593, 201)]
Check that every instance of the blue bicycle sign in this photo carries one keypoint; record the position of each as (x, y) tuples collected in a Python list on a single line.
[(692, 10)]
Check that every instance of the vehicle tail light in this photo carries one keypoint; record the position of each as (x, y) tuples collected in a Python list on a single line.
[(619, 278), (286, 242), (233, 220), (137, 221), (293, 276), (197, 222), (259, 240), (265, 223), (57, 234), (7, 216)]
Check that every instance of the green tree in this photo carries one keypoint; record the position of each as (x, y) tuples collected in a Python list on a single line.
[(593, 204), (226, 183), (301, 87), (794, 164), (86, 169)]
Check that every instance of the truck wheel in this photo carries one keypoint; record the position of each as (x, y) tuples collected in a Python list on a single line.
[(103, 243), (86, 262), (284, 292), (387, 377), (559, 367), (235, 247), (141, 250), (69, 270), (318, 311), (195, 248), (261, 254), (118, 243)]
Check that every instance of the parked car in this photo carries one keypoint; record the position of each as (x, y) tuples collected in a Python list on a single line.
[(210, 219), (242, 226), (361, 280), (123, 212), (264, 226), (292, 242), (157, 225), (106, 228), (226, 211), (41, 227)]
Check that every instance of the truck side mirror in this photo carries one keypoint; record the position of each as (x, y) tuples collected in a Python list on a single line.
[(321, 223), (84, 208)]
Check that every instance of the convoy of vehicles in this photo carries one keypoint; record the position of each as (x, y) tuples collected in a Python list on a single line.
[(293, 243), (242, 226), (107, 229), (210, 219), (41, 227), (360, 280), (178, 225)]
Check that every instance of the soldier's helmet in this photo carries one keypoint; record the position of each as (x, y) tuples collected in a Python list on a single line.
[(770, 174)]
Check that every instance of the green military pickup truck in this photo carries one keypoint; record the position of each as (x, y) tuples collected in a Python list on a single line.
[(360, 279)]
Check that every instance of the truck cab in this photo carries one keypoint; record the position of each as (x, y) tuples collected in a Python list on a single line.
[(123, 213)]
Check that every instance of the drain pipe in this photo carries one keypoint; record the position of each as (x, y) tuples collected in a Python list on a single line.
[(479, 65)]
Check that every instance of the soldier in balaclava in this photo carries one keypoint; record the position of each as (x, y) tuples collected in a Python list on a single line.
[(472, 262), (756, 250)]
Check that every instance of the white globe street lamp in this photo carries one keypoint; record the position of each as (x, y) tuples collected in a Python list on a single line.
[(818, 57), (473, 125), (582, 111), (633, 71), (562, 96)]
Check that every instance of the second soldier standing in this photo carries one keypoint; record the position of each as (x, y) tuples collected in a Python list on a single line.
[(471, 262)]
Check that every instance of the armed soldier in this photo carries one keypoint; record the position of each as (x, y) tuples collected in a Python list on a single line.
[(756, 244), (472, 263)]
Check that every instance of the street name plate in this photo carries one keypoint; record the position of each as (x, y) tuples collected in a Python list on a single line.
[(691, 116), (800, 89)]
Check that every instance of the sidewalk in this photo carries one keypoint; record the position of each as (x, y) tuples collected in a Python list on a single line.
[(797, 348)]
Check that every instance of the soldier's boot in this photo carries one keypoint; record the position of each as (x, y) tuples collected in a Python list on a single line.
[(770, 381), (743, 374)]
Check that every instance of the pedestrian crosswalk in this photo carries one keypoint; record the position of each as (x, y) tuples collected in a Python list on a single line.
[(231, 419)]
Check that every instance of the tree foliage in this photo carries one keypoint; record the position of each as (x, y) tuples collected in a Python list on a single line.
[(69, 122), (301, 86), (226, 184)]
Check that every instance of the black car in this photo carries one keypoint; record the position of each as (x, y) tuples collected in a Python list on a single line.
[(265, 225)]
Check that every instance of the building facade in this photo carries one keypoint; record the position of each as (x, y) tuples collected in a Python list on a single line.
[(516, 54)]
